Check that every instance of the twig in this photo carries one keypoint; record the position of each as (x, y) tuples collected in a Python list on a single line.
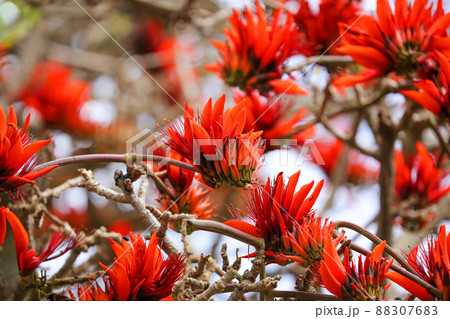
[(143, 188), (438, 134), (160, 184), (55, 192), (221, 284), (93, 186), (249, 277), (57, 282), (126, 185)]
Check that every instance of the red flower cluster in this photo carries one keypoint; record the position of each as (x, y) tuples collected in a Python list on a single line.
[(320, 31), (267, 114), (216, 145), (26, 258), (403, 42), (150, 37), (419, 180), (253, 55), (274, 211), (309, 239), (139, 271), (56, 97), (356, 168), (18, 155), (434, 95), (159, 52), (345, 280), (432, 263)]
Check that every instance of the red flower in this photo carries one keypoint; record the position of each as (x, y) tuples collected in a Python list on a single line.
[(419, 180), (140, 273), (26, 258), (252, 57), (188, 198), (324, 39), (121, 226), (432, 263), (18, 156), (273, 211), (159, 51), (150, 37), (267, 114), (434, 95), (56, 97), (215, 145), (403, 43), (93, 292), (309, 240), (357, 168), (345, 280)]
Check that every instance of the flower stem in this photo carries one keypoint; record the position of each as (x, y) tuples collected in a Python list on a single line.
[(114, 158), (220, 228)]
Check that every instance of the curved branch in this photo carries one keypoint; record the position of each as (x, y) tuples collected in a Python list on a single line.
[(375, 239), (114, 158), (220, 228)]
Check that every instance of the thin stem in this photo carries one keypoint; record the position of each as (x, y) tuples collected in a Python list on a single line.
[(160, 184), (220, 228), (114, 158), (435, 128)]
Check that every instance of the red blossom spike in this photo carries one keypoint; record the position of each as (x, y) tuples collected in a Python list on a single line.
[(140, 273), (434, 95), (270, 214), (56, 97), (358, 169), (309, 240), (215, 143), (255, 50), (420, 181), (18, 155), (93, 292), (312, 40), (345, 280), (393, 43), (267, 114), (431, 261), (27, 259)]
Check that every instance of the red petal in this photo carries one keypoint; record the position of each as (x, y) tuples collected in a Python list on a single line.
[(244, 227), (409, 285), (287, 87)]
